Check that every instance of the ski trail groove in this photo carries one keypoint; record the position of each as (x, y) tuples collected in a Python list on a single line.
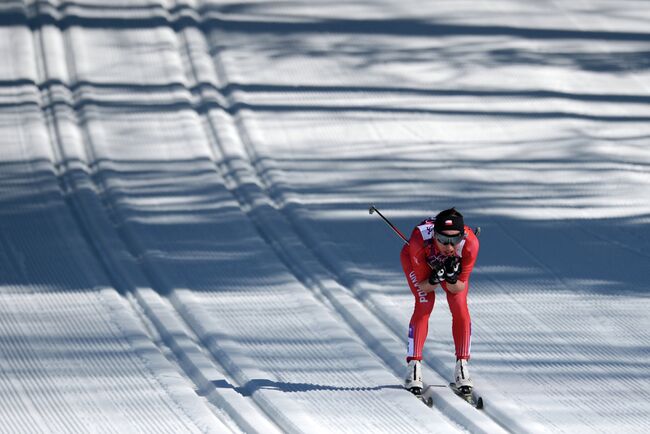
[(211, 132), (179, 300), (274, 227), (73, 351), (82, 196), (53, 110), (561, 333), (255, 184)]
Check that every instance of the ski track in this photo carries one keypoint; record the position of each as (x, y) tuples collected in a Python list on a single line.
[(73, 180), (199, 367), (252, 187), (267, 171), (181, 297), (179, 251), (74, 349), (228, 141)]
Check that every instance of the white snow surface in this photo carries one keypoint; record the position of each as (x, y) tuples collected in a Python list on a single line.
[(184, 237)]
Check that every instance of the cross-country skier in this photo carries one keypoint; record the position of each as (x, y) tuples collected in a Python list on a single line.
[(441, 252)]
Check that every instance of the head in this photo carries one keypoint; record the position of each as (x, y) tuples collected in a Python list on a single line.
[(449, 230)]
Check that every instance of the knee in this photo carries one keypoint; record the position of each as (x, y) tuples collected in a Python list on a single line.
[(422, 297), (422, 310), (457, 288), (458, 307)]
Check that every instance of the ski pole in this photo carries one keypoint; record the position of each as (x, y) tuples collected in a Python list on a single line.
[(373, 210)]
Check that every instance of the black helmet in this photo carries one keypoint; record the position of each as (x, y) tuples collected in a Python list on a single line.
[(449, 220)]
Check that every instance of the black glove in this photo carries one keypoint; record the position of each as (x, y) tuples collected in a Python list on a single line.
[(452, 269), (437, 271)]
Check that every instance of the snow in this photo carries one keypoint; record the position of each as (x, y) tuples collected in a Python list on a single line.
[(184, 237)]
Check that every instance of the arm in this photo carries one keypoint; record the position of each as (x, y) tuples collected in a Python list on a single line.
[(470, 252), (417, 254)]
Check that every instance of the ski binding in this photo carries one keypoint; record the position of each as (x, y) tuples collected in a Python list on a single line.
[(470, 396)]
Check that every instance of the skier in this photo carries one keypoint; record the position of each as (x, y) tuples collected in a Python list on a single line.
[(440, 252)]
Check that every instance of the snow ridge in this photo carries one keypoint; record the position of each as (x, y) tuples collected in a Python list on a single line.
[(184, 245)]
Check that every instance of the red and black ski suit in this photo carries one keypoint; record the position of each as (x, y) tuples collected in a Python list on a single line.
[(415, 257)]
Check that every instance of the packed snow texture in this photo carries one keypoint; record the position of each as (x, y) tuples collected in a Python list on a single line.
[(185, 243)]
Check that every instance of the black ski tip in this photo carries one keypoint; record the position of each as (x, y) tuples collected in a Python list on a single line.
[(467, 394)]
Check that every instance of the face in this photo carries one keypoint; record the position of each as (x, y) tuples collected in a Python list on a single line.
[(446, 249)]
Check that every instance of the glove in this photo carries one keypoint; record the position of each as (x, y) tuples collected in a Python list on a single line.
[(452, 269), (437, 271)]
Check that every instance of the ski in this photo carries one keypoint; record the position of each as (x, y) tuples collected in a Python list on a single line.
[(471, 398), (423, 396), (428, 401)]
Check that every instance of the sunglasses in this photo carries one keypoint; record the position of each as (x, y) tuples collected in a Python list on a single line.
[(449, 239)]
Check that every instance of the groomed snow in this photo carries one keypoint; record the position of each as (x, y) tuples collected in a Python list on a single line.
[(184, 237)]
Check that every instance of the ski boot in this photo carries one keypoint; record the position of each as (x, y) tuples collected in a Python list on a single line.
[(413, 380), (463, 380)]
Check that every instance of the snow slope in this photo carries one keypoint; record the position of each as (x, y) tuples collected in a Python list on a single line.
[(184, 237)]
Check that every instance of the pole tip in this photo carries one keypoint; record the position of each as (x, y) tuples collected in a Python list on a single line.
[(371, 209)]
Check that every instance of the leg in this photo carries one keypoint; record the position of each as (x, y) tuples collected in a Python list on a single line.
[(461, 323), (419, 324)]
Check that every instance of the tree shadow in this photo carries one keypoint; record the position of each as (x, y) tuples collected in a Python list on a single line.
[(210, 18), (180, 220)]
